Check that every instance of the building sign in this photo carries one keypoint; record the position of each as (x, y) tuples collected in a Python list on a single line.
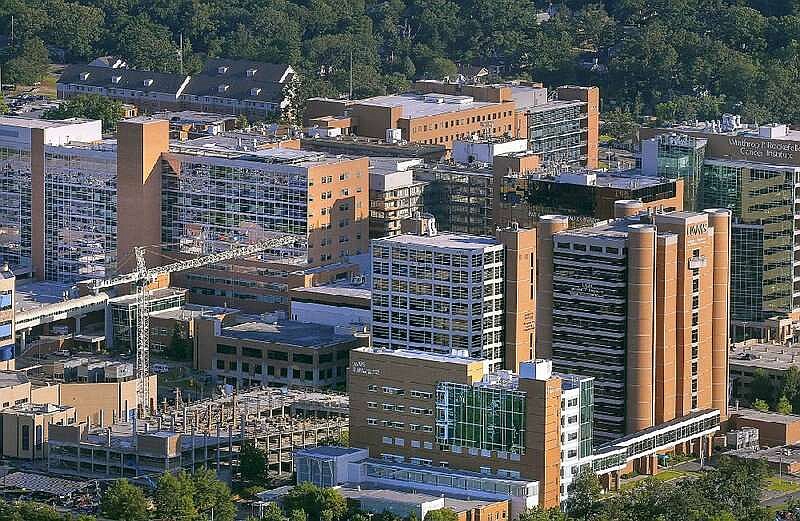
[(586, 289), (360, 367), (696, 229), (761, 149), (727, 147)]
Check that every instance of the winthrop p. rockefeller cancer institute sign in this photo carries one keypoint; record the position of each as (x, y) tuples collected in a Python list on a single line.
[(783, 152), (765, 148)]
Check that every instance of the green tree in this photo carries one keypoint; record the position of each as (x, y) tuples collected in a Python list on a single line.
[(442, 514), (321, 504), (760, 405), (180, 347), (253, 463), (583, 501), (298, 515), (761, 387), (174, 497), (734, 485), (211, 494), (619, 124), (90, 106), (272, 512), (3, 105), (25, 62), (148, 45), (543, 514), (784, 406), (125, 502)]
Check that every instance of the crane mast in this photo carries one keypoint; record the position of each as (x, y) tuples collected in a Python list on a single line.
[(144, 276)]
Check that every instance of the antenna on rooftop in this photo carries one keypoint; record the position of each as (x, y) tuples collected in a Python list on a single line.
[(351, 73), (180, 54)]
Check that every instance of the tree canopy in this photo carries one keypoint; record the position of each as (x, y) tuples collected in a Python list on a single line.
[(124, 502), (681, 59), (91, 106)]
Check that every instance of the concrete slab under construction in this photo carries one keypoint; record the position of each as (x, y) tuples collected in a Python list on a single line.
[(206, 433)]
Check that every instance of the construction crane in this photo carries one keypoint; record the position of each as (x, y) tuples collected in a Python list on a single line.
[(144, 276)]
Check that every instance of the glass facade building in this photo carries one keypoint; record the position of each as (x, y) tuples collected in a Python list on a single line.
[(459, 197), (480, 417), (15, 205), (80, 225), (122, 312), (211, 204), (763, 200), (557, 132), (682, 157)]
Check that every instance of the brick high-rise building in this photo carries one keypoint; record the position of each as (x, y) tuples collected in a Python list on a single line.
[(642, 304)]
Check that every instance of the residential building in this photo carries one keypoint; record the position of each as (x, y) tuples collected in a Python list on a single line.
[(752, 171), (640, 303), (438, 292), (585, 196), (247, 351), (253, 89), (394, 194)]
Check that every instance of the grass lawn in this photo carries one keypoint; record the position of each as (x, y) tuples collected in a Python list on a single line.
[(669, 475), (776, 484)]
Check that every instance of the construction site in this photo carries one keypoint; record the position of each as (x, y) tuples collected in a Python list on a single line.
[(206, 433)]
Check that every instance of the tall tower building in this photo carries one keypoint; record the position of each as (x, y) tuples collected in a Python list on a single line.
[(438, 292), (641, 303)]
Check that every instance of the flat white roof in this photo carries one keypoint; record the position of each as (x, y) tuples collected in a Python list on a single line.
[(442, 240), (413, 354), (416, 106), (15, 121)]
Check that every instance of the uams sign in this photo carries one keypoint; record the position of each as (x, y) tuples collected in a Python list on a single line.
[(360, 367), (696, 229)]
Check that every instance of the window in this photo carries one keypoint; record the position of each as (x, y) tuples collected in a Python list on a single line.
[(278, 355), (221, 364), (302, 359), (26, 437), (225, 349), (252, 352)]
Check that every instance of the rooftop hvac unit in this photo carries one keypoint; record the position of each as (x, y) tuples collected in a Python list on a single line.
[(393, 135)]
